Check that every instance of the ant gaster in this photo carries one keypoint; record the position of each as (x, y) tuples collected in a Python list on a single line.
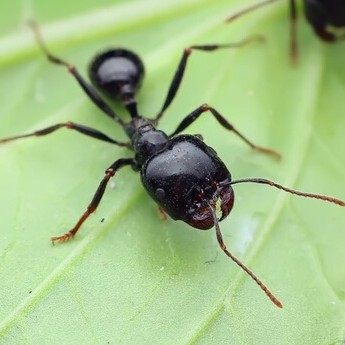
[(327, 17), (181, 173)]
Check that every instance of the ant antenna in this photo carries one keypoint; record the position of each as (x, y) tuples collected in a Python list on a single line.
[(278, 186), (222, 245), (291, 191)]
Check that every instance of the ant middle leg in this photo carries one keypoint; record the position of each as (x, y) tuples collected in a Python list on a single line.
[(110, 172), (194, 115), (87, 87), (91, 132), (178, 76)]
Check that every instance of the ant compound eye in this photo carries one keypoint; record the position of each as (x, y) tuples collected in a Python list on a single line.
[(160, 194)]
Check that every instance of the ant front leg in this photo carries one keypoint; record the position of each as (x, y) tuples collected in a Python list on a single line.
[(110, 172), (91, 132), (194, 115), (178, 76), (88, 88)]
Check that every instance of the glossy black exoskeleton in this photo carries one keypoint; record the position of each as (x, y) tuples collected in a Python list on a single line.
[(182, 174), (327, 18), (118, 73), (185, 174)]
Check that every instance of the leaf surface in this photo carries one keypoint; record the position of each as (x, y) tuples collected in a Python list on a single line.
[(134, 279)]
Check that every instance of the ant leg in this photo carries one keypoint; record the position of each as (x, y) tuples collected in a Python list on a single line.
[(293, 32), (178, 76), (249, 9), (94, 133), (293, 23), (190, 118), (110, 172), (88, 88)]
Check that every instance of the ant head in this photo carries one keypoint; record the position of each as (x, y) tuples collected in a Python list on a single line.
[(117, 73), (222, 202)]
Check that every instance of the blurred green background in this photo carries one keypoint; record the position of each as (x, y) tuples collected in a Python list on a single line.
[(134, 279)]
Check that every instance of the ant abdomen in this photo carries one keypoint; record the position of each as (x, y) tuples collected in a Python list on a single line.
[(117, 73)]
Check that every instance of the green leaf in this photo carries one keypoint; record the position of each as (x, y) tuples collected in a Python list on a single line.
[(134, 279)]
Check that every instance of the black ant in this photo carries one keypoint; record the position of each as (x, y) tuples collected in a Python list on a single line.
[(325, 16), (183, 175)]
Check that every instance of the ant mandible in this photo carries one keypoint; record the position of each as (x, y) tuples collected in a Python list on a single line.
[(327, 17), (183, 175)]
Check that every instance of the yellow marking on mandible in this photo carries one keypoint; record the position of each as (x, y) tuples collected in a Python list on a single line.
[(218, 208), (336, 30)]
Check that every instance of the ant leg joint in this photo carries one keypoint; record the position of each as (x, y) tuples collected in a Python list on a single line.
[(205, 107), (110, 172), (91, 209), (188, 50), (71, 69)]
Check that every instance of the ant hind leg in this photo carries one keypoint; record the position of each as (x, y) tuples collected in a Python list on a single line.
[(88, 88)]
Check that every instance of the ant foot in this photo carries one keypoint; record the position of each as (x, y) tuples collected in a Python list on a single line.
[(64, 238)]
